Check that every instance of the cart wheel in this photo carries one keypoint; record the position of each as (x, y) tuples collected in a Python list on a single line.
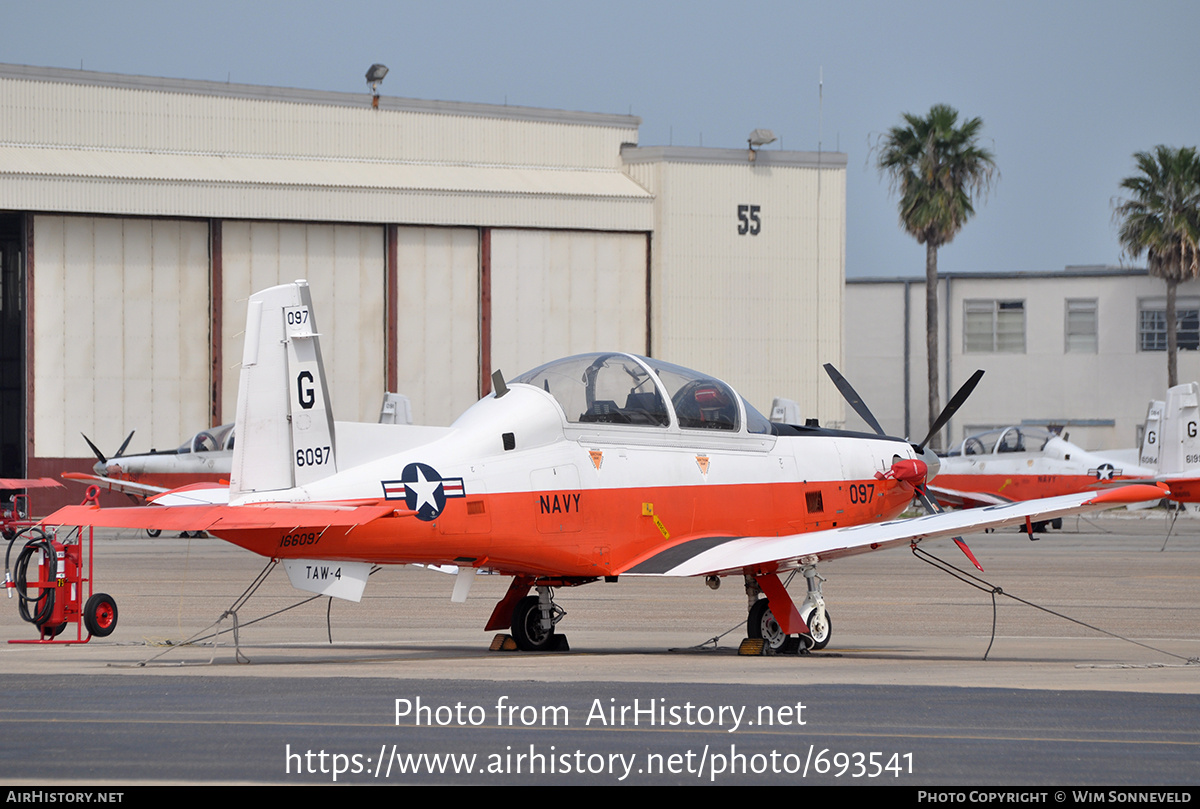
[(52, 631), (100, 615), (153, 533)]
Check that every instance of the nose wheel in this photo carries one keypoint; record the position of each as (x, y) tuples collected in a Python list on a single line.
[(820, 629), (761, 623)]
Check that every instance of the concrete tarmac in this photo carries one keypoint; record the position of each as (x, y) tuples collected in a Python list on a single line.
[(1055, 702)]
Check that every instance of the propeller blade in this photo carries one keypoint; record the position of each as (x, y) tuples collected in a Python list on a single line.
[(96, 450), (853, 399), (952, 407), (121, 451), (962, 546)]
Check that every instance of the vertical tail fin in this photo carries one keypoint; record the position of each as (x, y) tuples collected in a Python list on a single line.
[(1179, 449), (285, 435), (1151, 436)]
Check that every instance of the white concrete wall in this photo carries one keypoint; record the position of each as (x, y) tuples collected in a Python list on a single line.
[(1045, 383), (763, 310)]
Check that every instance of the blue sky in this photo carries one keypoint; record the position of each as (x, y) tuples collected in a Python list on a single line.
[(1067, 91)]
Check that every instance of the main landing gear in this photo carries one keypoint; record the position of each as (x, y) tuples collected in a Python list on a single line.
[(533, 622), (531, 618), (766, 635)]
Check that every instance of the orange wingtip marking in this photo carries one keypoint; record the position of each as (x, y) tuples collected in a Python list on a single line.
[(1137, 493)]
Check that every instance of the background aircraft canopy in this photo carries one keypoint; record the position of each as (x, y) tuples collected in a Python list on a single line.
[(209, 440), (1006, 439)]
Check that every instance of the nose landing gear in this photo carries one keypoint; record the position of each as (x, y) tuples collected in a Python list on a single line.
[(808, 628)]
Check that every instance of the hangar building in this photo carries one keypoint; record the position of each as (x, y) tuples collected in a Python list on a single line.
[(442, 240)]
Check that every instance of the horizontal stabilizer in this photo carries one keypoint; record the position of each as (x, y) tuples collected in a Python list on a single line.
[(218, 517), (28, 483)]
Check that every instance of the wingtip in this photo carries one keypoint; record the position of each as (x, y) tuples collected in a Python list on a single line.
[(1134, 493)]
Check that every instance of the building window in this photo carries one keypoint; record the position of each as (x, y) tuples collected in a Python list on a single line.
[(1081, 326), (994, 327), (1152, 324)]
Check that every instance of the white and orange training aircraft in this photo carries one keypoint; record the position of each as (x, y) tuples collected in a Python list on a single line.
[(589, 468), (1024, 463)]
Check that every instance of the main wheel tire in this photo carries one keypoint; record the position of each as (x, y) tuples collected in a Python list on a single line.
[(100, 615), (761, 623), (527, 629), (818, 635)]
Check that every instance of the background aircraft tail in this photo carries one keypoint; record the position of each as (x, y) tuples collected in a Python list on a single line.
[(285, 433), (1151, 435), (1179, 446)]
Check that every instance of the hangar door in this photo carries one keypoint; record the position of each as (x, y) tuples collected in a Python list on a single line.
[(557, 293), (121, 320), (343, 265), (437, 321)]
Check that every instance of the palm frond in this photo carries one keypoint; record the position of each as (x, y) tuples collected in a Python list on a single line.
[(938, 168)]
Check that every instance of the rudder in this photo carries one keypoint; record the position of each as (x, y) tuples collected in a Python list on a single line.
[(285, 434)]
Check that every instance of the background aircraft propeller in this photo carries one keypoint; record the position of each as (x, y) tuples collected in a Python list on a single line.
[(920, 488), (100, 454)]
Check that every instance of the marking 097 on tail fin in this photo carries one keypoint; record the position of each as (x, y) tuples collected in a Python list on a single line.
[(311, 415)]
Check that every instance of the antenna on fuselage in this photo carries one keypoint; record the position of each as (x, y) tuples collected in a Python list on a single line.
[(498, 384)]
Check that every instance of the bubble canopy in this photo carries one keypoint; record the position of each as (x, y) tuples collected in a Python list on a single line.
[(631, 390)]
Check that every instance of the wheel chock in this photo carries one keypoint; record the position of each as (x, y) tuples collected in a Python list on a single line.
[(793, 645), (503, 643)]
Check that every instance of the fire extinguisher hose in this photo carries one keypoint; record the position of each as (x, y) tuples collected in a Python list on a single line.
[(35, 610)]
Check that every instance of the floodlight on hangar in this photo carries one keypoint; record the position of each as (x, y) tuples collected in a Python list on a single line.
[(759, 137), (375, 74)]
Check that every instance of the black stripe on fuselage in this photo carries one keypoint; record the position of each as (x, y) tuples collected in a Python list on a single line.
[(663, 561)]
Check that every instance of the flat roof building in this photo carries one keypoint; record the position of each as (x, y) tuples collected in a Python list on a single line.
[(1083, 348)]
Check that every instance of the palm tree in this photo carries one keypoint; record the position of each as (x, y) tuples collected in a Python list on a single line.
[(938, 167), (1162, 219)]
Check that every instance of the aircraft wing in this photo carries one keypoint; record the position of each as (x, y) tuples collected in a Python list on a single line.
[(953, 498), (142, 490), (215, 517), (726, 555)]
